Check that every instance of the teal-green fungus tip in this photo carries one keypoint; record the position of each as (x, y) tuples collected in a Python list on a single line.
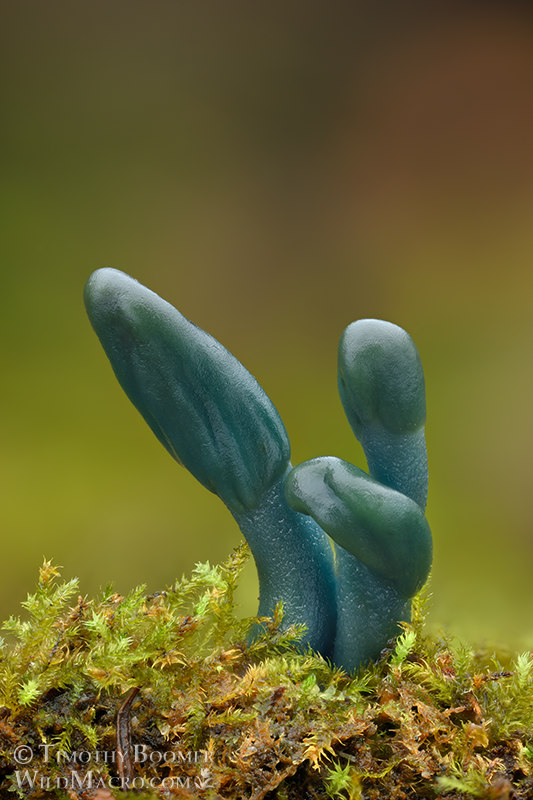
[(214, 418)]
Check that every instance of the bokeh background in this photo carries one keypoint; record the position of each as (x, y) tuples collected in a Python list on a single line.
[(276, 171)]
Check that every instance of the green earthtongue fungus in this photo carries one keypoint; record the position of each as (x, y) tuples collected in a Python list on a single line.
[(214, 419), (384, 548)]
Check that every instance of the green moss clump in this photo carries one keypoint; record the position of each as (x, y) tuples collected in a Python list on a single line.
[(163, 695)]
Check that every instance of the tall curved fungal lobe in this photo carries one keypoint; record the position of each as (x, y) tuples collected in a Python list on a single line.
[(214, 418), (383, 542)]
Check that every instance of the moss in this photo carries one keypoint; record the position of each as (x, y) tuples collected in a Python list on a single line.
[(164, 692)]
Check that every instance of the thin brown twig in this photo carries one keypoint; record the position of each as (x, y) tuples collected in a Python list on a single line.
[(125, 769)]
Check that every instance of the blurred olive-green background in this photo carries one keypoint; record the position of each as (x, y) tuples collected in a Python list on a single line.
[(276, 171)]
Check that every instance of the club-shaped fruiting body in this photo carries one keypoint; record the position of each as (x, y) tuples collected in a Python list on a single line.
[(385, 529), (382, 389), (384, 547), (214, 419)]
